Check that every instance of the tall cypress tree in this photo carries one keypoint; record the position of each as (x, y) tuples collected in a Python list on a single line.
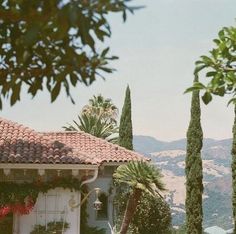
[(125, 129), (193, 169), (234, 170)]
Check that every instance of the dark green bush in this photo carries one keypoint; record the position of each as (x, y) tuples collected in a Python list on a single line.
[(153, 215), (52, 228)]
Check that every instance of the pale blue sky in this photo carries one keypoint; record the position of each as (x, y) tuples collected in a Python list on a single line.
[(157, 48)]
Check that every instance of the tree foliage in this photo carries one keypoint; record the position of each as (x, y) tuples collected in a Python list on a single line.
[(219, 67), (152, 216), (193, 169), (95, 126), (56, 227), (53, 44), (126, 129), (102, 107), (98, 118), (140, 177)]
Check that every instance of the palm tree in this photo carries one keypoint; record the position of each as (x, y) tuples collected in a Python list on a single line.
[(95, 126), (103, 107), (98, 118), (140, 177)]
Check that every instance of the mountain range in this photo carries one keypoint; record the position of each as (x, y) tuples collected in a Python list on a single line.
[(170, 158)]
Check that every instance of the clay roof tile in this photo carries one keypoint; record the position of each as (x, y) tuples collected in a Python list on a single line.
[(20, 144)]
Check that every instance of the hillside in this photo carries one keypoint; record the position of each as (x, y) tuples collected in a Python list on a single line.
[(170, 157)]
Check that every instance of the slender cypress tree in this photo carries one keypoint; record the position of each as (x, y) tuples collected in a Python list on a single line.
[(234, 170), (125, 129), (193, 169)]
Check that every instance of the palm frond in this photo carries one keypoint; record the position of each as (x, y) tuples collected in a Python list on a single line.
[(140, 175), (95, 126)]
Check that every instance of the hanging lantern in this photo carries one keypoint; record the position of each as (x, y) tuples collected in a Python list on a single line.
[(97, 204)]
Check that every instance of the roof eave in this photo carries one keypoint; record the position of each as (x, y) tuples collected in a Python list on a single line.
[(48, 166)]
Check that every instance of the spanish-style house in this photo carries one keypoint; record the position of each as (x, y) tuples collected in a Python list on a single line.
[(42, 173)]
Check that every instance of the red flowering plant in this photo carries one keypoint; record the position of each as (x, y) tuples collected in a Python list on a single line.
[(18, 208), (4, 211), (20, 198), (16, 198), (22, 209)]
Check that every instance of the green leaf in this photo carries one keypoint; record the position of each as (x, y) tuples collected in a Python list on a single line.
[(191, 89), (114, 57), (31, 35), (55, 91), (73, 79), (15, 93), (196, 86), (207, 60), (221, 34), (199, 85), (217, 41), (0, 103), (221, 91), (104, 52), (124, 16), (232, 100), (207, 97), (199, 68), (106, 69), (211, 73)]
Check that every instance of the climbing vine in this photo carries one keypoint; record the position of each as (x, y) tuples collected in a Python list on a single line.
[(21, 197)]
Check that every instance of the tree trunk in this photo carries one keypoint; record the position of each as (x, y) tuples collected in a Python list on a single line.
[(234, 170), (130, 210)]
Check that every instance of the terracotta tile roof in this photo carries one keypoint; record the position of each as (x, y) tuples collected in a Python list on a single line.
[(19, 144), (100, 150)]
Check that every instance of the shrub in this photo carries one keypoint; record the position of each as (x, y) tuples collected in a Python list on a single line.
[(153, 215)]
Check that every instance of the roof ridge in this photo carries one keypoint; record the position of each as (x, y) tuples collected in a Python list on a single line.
[(46, 132), (14, 123), (26, 129)]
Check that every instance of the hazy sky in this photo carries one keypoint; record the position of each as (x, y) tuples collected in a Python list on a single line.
[(157, 47)]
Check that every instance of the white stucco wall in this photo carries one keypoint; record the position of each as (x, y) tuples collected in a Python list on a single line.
[(52, 206), (104, 184)]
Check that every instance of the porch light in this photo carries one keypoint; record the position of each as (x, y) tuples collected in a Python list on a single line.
[(97, 204)]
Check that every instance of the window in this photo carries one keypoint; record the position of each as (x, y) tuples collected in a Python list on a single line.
[(103, 213)]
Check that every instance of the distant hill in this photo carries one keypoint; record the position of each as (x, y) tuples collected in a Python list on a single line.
[(170, 158), (148, 144)]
